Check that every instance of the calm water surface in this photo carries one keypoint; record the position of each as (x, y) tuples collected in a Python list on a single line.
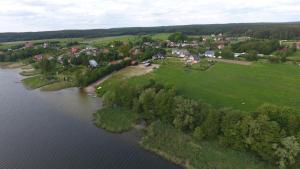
[(54, 130)]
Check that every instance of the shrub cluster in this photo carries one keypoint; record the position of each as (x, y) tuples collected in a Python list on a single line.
[(271, 132)]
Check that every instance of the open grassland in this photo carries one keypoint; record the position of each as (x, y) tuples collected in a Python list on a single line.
[(231, 85), (186, 151)]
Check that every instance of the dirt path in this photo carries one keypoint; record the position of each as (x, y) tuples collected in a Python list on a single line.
[(232, 61), (127, 72)]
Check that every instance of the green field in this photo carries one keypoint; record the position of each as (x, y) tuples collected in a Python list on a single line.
[(230, 85)]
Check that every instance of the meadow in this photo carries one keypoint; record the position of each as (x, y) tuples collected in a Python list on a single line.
[(243, 87)]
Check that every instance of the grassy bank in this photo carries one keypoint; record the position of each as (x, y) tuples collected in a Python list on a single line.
[(184, 150), (30, 72), (58, 86), (36, 82), (115, 120)]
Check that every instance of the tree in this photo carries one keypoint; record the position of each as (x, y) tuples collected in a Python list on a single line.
[(177, 37), (287, 118), (227, 54), (251, 55), (164, 101), (260, 133), (231, 132), (146, 100), (48, 67), (124, 50), (210, 128), (187, 114), (286, 151)]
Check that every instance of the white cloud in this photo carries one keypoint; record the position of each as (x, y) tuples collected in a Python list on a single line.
[(38, 15)]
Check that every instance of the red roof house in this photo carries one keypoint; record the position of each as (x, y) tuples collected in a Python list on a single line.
[(38, 58), (74, 50)]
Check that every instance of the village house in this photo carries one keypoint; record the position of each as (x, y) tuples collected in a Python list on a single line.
[(193, 59), (210, 54), (135, 52), (45, 45), (180, 52), (172, 44), (134, 63), (158, 56), (90, 51), (221, 46), (74, 51), (60, 59), (28, 45), (298, 45), (193, 44), (93, 63), (38, 58)]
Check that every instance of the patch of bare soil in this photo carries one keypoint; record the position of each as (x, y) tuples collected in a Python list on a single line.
[(127, 72)]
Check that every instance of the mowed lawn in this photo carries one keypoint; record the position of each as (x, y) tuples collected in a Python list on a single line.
[(237, 86)]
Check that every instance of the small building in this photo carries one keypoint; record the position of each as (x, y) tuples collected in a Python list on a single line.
[(93, 63), (221, 46), (50, 58), (38, 58), (192, 59), (134, 62), (135, 52), (298, 45), (28, 44), (90, 51), (158, 56), (60, 59), (260, 55), (239, 54), (210, 54), (181, 52), (45, 45)]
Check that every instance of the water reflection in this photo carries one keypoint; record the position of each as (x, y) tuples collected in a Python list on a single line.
[(41, 130)]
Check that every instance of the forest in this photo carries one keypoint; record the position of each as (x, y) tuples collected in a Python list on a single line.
[(257, 30)]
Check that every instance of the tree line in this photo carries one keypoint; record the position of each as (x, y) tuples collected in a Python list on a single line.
[(258, 30), (271, 132)]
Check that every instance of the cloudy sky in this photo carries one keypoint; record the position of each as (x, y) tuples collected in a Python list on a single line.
[(42, 15)]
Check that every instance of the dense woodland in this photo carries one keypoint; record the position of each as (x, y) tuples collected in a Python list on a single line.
[(258, 30)]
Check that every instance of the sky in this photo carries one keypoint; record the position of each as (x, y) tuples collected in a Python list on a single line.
[(45, 15)]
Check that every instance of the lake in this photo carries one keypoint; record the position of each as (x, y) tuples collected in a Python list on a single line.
[(54, 130)]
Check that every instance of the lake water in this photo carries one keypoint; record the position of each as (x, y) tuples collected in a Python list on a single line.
[(54, 130)]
